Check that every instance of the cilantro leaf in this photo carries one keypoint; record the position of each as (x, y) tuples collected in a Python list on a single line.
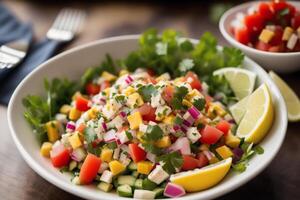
[(171, 161), (199, 103), (178, 120), (146, 91), (240, 167), (151, 148), (153, 133), (89, 134), (180, 93)]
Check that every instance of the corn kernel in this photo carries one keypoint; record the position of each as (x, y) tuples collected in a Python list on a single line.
[(53, 130), (288, 31), (266, 36), (144, 167), (135, 120), (92, 113), (224, 152), (139, 136), (187, 103), (108, 76), (231, 140), (123, 72), (129, 90), (135, 100), (164, 142), (106, 155), (74, 114), (46, 148), (65, 109), (116, 167), (169, 119), (75, 140)]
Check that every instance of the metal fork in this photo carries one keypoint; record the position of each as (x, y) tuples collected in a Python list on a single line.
[(65, 27)]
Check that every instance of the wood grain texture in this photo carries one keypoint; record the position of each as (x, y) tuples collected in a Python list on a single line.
[(17, 181)]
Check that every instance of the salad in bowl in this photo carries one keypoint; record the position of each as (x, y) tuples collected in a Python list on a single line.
[(171, 118)]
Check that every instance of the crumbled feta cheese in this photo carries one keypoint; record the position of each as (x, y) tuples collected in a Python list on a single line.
[(116, 153), (103, 167), (193, 134), (157, 100), (162, 111), (62, 118), (143, 128), (158, 175), (292, 41), (122, 137), (116, 122)]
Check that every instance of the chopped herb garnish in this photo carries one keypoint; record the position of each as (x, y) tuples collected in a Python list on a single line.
[(149, 147), (199, 103), (171, 162), (129, 135), (178, 120), (146, 91), (89, 134), (153, 133), (180, 93)]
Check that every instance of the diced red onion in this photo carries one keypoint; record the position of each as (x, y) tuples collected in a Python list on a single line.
[(182, 144), (173, 190), (209, 155), (129, 79), (185, 122), (176, 127), (237, 154), (102, 101), (183, 129), (71, 126), (194, 112), (151, 157), (188, 117), (109, 136), (104, 126), (78, 154), (123, 114)]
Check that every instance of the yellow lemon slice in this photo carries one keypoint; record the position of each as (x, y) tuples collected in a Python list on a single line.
[(203, 178)]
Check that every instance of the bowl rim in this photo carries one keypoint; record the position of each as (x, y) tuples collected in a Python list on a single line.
[(234, 10), (81, 191)]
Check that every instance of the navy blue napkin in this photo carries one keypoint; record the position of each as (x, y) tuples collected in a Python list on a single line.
[(13, 29)]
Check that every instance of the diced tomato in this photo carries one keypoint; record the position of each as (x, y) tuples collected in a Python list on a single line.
[(89, 169), (59, 155), (278, 6), (223, 126), (202, 160), (81, 127), (168, 93), (210, 135), (104, 85), (137, 154), (193, 80), (82, 104), (254, 23), (150, 72), (147, 112), (92, 89), (296, 21), (189, 163), (277, 38), (151, 80), (264, 10), (262, 46), (242, 35)]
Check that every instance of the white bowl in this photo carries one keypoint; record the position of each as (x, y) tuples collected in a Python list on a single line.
[(279, 62), (72, 64)]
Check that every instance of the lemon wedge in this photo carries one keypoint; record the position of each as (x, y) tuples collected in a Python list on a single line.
[(203, 178), (238, 110), (258, 116), (291, 99), (241, 81)]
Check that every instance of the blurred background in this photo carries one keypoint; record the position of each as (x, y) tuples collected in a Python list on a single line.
[(113, 18)]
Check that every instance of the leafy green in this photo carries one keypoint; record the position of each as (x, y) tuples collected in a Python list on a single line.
[(89, 134), (178, 120), (171, 161), (180, 93), (146, 91), (199, 103), (149, 147), (153, 133)]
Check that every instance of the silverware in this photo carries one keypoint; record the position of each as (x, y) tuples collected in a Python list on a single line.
[(66, 25), (13, 52)]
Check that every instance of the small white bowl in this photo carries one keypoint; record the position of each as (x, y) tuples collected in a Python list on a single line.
[(279, 62), (71, 64)]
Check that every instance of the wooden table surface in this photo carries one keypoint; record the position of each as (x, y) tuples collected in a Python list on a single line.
[(281, 180)]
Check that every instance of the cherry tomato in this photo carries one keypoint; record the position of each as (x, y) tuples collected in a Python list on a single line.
[(147, 112), (254, 23), (203, 161), (223, 126), (92, 88), (193, 80), (89, 169), (262, 46), (189, 163), (264, 10), (137, 154), (242, 35), (168, 93), (59, 155), (210, 135), (277, 38), (296, 21), (82, 104)]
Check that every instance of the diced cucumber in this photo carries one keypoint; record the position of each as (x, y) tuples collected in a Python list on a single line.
[(158, 192), (138, 184), (105, 187), (148, 185), (124, 191), (126, 180), (115, 182), (72, 165), (132, 166), (135, 174)]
